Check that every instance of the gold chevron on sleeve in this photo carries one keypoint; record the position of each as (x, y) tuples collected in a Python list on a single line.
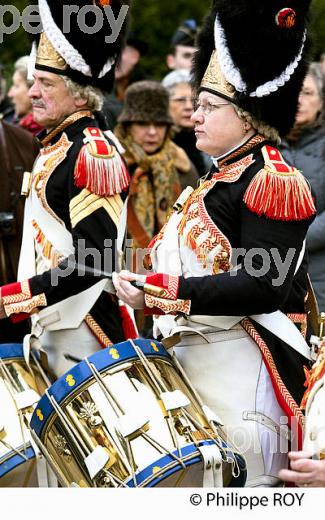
[(86, 203)]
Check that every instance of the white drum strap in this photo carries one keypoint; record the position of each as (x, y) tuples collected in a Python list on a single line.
[(31, 341), (212, 466), (42, 476), (45, 476)]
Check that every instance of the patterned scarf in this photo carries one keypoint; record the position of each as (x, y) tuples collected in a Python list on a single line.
[(154, 187)]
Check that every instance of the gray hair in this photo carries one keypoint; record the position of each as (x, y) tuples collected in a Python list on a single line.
[(93, 96), (175, 78), (262, 128), (315, 71), (21, 66)]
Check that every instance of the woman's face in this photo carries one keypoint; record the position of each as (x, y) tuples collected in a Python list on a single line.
[(181, 105), (309, 103), (19, 95), (150, 136), (218, 128)]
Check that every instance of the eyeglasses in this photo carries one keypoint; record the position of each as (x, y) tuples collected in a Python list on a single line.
[(208, 108), (183, 100), (308, 93)]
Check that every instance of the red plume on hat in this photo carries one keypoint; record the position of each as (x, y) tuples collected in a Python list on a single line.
[(261, 47)]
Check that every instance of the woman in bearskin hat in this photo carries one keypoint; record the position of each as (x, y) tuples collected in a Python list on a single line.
[(229, 271)]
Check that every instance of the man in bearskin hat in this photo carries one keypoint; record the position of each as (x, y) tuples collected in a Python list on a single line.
[(75, 195), (232, 301)]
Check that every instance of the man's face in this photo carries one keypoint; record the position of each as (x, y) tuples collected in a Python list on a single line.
[(182, 59), (51, 100)]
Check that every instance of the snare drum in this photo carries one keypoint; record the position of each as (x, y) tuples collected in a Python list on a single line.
[(20, 389), (126, 417)]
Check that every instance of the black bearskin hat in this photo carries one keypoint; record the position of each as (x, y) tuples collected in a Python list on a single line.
[(261, 51), (87, 57)]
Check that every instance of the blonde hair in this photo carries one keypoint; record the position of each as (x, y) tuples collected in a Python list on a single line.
[(262, 128), (93, 96)]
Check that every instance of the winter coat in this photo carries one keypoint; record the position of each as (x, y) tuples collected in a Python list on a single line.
[(308, 154)]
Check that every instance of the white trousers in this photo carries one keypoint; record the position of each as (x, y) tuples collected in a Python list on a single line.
[(231, 378), (60, 344)]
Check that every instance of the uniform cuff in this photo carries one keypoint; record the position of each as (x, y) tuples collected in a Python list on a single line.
[(162, 306), (162, 286), (18, 301)]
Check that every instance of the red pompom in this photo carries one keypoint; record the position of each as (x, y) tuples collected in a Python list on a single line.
[(286, 18)]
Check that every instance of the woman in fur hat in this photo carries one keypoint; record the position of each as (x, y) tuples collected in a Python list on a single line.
[(229, 279), (158, 168)]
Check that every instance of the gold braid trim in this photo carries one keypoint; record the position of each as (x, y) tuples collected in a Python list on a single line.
[(292, 405), (257, 139), (98, 331), (86, 203), (27, 306), (168, 306), (56, 154), (205, 236), (67, 122), (48, 250)]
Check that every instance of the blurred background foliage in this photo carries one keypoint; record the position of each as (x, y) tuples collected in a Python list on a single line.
[(153, 21)]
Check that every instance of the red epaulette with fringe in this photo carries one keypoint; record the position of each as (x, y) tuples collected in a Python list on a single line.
[(99, 167), (279, 191)]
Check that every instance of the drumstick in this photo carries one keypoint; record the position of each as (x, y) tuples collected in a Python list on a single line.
[(96, 273), (68, 357)]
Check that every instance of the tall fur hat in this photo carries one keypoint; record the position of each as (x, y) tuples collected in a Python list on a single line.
[(146, 101), (254, 53), (87, 57)]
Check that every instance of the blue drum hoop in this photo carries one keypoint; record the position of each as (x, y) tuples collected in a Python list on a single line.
[(78, 375), (12, 459), (191, 456), (11, 351)]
